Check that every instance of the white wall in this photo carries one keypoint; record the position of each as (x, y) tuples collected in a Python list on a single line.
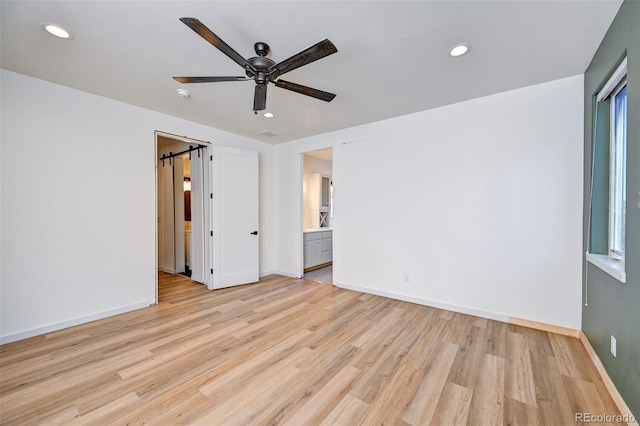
[(479, 203), (78, 204), (312, 165)]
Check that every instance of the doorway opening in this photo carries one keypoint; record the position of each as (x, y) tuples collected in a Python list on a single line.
[(182, 177), (317, 216)]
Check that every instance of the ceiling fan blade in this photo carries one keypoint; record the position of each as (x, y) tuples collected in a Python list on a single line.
[(208, 79), (260, 97), (208, 35), (308, 55), (299, 88)]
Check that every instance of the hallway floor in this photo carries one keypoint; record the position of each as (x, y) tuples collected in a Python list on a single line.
[(322, 275)]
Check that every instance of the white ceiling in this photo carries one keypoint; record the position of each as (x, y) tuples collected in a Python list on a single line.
[(392, 56)]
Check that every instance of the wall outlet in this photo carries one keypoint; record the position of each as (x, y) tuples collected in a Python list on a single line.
[(613, 346)]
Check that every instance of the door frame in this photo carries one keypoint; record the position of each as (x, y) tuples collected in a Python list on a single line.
[(206, 176)]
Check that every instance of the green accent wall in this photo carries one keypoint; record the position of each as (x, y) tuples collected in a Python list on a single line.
[(613, 307)]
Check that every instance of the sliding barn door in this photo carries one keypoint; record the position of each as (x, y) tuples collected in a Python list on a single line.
[(234, 216), (196, 247), (166, 232)]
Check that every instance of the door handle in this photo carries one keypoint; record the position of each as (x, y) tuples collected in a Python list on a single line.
[(254, 233)]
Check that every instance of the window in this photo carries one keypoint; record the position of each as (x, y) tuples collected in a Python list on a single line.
[(606, 227), (618, 171)]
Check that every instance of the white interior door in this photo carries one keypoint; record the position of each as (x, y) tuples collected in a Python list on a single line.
[(196, 248), (166, 217), (178, 212), (235, 217)]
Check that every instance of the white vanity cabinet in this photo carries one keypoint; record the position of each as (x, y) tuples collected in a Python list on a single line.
[(318, 248)]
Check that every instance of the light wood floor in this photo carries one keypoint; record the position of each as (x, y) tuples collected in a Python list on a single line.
[(295, 352)]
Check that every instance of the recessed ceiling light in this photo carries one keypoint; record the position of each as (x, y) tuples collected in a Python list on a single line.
[(58, 31), (268, 114), (183, 93), (459, 49)]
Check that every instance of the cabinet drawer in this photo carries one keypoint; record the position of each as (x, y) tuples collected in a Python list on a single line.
[(310, 236), (326, 256), (327, 234)]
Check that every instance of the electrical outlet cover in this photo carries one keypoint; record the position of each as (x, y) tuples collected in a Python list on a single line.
[(613, 346)]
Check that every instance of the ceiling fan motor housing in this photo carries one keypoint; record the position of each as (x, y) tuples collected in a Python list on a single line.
[(261, 64)]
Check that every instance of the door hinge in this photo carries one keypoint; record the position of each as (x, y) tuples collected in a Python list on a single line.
[(211, 195), (212, 233), (211, 158), (212, 270)]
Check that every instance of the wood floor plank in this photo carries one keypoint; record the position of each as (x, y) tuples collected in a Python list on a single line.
[(518, 413), (519, 373), (471, 352), (285, 405), (263, 360), (488, 393), (550, 389), (390, 404), (349, 411), (109, 411), (293, 351), (422, 406), (453, 406), (567, 353), (251, 401), (322, 403), (583, 397)]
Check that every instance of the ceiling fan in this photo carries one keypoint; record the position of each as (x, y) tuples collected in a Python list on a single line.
[(262, 69)]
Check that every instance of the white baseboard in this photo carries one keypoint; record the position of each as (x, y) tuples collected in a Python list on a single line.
[(557, 329), (70, 323), (427, 302)]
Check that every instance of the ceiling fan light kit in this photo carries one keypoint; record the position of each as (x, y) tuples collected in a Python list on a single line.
[(260, 69)]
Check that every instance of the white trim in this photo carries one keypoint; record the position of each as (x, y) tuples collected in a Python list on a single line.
[(185, 139), (73, 322), (427, 302), (622, 83), (613, 267), (613, 81), (301, 215)]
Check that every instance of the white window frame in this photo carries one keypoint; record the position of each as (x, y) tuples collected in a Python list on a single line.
[(615, 180)]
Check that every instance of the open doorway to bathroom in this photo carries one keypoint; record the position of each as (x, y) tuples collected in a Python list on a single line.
[(317, 215)]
